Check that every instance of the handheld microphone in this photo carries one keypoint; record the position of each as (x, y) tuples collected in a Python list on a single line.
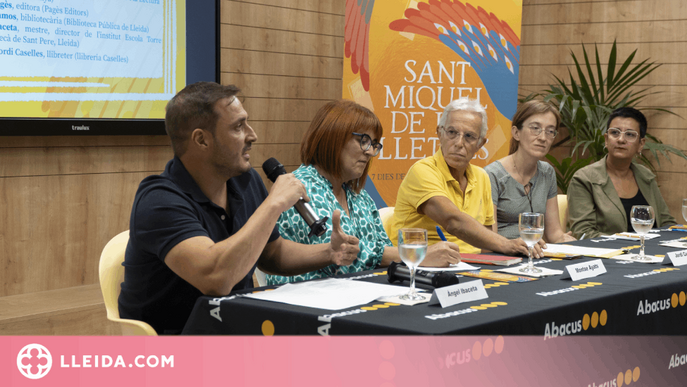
[(400, 272), (274, 169)]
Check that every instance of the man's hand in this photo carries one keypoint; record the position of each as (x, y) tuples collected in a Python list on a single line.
[(344, 248), (286, 191), (519, 247), (442, 254)]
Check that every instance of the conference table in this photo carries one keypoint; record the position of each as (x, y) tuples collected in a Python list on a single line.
[(631, 298)]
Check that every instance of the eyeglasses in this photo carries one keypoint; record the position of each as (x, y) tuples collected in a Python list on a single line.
[(536, 131), (630, 135), (468, 137), (366, 142)]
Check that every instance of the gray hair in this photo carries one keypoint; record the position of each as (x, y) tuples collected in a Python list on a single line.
[(466, 104)]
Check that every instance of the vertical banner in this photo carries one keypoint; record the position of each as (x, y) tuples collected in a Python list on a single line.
[(406, 60)]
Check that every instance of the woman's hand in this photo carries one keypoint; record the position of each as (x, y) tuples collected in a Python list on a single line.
[(344, 248), (537, 249), (567, 237)]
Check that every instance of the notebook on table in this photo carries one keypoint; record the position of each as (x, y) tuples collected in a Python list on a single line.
[(484, 259)]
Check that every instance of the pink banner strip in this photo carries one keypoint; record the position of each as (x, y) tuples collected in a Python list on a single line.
[(342, 361)]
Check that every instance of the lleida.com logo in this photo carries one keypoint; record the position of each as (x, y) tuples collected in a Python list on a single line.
[(34, 361)]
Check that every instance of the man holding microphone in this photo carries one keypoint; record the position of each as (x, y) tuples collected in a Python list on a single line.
[(204, 224)]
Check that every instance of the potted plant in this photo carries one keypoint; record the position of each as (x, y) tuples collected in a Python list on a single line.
[(586, 103)]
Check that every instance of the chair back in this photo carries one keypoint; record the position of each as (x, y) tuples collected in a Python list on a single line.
[(387, 216), (563, 214), (111, 274), (259, 278)]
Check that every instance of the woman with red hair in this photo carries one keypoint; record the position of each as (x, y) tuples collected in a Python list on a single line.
[(336, 153)]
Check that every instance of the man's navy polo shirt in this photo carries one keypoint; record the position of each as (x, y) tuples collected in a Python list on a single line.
[(169, 208)]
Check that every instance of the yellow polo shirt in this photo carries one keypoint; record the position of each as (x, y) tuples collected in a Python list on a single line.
[(431, 177)]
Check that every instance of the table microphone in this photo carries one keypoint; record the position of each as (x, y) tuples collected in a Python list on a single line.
[(400, 272), (274, 169)]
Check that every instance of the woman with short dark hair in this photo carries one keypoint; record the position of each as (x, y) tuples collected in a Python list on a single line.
[(601, 195)]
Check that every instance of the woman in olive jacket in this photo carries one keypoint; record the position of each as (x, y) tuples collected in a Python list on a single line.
[(601, 195)]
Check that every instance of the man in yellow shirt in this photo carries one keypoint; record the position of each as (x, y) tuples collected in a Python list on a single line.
[(446, 190)]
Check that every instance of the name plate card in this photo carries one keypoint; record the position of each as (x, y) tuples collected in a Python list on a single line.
[(459, 293), (584, 270), (678, 258)]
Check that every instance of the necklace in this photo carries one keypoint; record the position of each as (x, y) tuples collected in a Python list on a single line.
[(527, 186)]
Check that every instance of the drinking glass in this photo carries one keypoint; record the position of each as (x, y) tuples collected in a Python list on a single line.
[(531, 225), (642, 219), (412, 247), (684, 209)]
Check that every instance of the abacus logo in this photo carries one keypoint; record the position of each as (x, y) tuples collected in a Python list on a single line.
[(653, 272), (570, 289), (217, 301), (555, 330), (623, 378), (324, 329), (471, 309), (495, 285), (675, 299), (478, 350), (628, 377), (677, 360), (646, 307), (34, 361)]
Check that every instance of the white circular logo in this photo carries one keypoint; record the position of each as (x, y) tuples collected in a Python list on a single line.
[(34, 361)]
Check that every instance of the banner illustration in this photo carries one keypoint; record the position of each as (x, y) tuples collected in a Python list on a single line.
[(406, 60)]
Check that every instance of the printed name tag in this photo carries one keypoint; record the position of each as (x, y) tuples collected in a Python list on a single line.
[(678, 258), (455, 294), (584, 270)]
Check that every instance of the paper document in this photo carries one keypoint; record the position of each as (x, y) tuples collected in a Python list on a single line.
[(330, 294), (397, 299), (629, 236), (676, 243), (461, 266), (631, 257), (544, 271), (499, 277), (567, 250)]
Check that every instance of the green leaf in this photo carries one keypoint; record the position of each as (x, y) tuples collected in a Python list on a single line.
[(586, 101), (594, 90), (610, 70), (601, 92)]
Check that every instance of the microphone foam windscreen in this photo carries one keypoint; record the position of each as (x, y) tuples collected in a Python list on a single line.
[(273, 169)]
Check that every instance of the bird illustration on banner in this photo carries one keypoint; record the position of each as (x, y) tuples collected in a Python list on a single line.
[(357, 37), (478, 37)]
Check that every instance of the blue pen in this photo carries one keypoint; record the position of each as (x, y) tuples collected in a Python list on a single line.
[(441, 234)]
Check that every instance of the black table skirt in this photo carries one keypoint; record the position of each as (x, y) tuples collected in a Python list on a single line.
[(630, 299)]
